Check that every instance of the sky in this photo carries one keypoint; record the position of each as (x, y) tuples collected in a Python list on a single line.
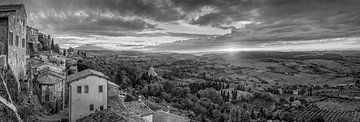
[(199, 25)]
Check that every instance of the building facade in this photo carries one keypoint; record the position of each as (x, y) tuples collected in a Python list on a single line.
[(32, 40), (51, 85), (45, 41), (13, 20), (87, 92)]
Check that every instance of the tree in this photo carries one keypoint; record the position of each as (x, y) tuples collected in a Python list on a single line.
[(211, 94), (70, 49), (235, 114), (246, 117), (291, 99), (56, 48), (286, 116), (52, 44)]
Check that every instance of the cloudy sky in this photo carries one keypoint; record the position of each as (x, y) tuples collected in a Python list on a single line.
[(199, 25)]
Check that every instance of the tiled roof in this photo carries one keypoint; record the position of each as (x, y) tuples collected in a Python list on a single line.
[(162, 116), (46, 53), (34, 62), (116, 104), (113, 84), (107, 115), (50, 78), (49, 65), (138, 108), (85, 73)]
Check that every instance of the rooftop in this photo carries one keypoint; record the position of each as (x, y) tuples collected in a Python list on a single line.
[(50, 78), (116, 104), (113, 84), (107, 115), (138, 108), (6, 10), (85, 73), (163, 116)]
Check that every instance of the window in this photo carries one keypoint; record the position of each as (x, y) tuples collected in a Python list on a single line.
[(17, 40), (91, 107), (100, 89), (86, 89), (11, 38), (101, 108), (78, 89), (47, 97), (23, 43)]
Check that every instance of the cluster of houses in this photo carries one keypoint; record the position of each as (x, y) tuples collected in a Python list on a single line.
[(55, 81)]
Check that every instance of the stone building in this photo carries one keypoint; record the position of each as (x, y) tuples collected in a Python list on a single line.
[(86, 92), (51, 85), (32, 40), (45, 41), (113, 89), (12, 37)]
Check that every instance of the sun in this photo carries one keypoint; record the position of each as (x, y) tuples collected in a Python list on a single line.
[(231, 49)]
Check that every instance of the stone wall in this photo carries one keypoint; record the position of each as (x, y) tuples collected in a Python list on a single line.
[(3, 35), (32, 40), (45, 41), (17, 49)]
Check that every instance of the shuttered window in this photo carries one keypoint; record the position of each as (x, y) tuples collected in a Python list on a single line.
[(100, 89), (17, 40), (86, 89), (79, 89), (11, 38), (23, 43), (91, 107)]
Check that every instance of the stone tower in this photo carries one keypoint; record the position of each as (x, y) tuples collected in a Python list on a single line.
[(13, 37)]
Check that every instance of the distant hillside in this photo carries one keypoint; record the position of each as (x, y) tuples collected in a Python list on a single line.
[(90, 47)]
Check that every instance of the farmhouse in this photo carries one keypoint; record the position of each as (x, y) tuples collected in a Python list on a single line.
[(12, 37), (87, 93)]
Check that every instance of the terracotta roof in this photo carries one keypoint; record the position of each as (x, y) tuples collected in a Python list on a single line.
[(113, 84), (116, 104), (34, 62), (85, 73), (46, 53), (138, 108), (50, 78), (107, 115), (162, 116)]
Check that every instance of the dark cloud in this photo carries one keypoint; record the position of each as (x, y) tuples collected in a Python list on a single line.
[(279, 20), (103, 17), (273, 20), (212, 18)]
